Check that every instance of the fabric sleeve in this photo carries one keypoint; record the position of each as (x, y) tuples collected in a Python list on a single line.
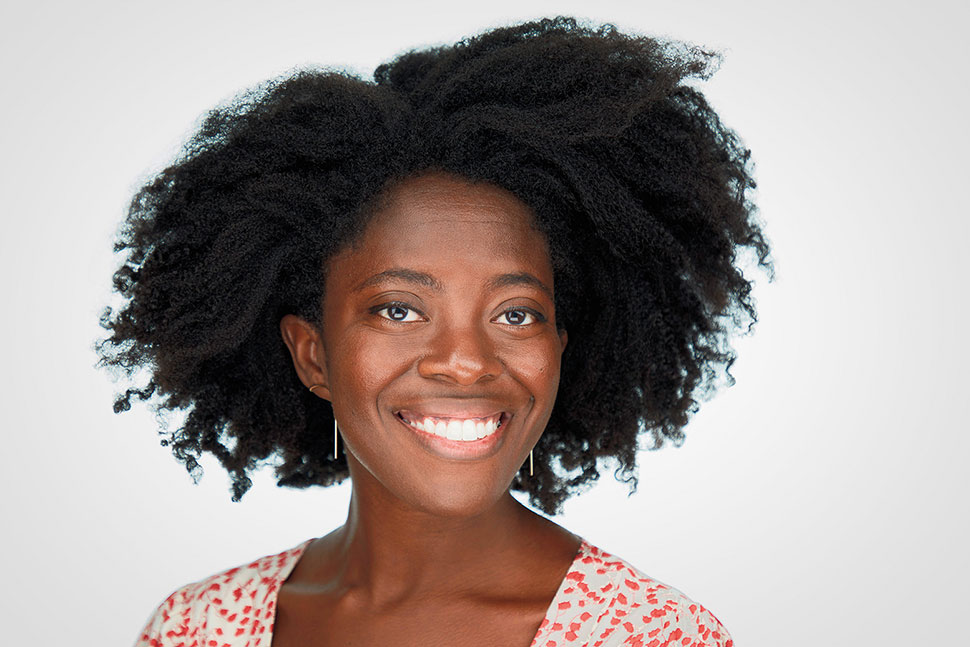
[(171, 623), (646, 613), (695, 626)]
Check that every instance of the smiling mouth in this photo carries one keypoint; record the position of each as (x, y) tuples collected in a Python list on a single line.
[(461, 429)]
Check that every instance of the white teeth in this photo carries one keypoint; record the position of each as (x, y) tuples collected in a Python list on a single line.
[(455, 429)]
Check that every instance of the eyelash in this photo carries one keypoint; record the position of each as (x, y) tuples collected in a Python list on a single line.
[(376, 310), (538, 318)]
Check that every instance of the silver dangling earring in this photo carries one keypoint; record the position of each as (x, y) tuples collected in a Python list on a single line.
[(317, 386), (532, 399)]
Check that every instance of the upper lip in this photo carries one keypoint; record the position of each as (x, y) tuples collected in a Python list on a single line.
[(459, 410), (407, 414)]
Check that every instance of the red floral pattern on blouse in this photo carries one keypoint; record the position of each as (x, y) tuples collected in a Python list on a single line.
[(602, 602)]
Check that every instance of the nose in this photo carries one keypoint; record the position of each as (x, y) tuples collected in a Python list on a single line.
[(463, 355)]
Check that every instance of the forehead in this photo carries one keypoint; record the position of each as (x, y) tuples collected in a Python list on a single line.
[(442, 200), (438, 218)]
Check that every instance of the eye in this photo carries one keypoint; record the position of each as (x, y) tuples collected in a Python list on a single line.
[(520, 317), (398, 312)]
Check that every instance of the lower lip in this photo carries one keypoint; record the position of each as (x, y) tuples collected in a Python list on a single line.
[(460, 449)]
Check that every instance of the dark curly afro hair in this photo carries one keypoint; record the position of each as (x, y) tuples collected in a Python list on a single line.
[(643, 194)]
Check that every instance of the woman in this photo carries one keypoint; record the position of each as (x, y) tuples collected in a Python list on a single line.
[(492, 267)]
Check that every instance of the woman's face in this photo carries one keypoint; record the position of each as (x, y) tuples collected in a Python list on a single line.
[(440, 351)]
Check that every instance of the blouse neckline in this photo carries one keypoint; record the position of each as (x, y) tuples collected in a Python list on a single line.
[(574, 566)]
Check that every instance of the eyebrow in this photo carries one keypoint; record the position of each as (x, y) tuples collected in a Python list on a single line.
[(426, 280), (401, 274), (517, 278)]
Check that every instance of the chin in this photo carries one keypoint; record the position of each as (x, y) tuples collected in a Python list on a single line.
[(464, 501)]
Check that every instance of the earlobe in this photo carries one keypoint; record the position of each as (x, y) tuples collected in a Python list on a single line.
[(303, 341)]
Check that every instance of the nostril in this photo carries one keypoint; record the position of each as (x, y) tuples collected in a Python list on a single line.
[(460, 366)]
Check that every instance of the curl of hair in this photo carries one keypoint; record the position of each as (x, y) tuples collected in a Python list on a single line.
[(643, 194)]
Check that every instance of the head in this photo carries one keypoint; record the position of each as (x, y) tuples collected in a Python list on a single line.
[(442, 314), (421, 245)]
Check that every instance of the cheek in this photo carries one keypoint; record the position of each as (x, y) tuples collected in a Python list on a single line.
[(537, 366), (361, 371), (364, 364)]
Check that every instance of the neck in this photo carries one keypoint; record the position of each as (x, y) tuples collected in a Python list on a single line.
[(389, 550)]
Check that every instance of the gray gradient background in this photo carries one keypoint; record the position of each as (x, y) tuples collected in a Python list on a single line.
[(820, 501)]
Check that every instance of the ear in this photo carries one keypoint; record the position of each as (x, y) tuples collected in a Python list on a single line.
[(563, 338), (306, 349)]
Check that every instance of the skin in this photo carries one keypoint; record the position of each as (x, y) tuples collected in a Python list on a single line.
[(443, 307)]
